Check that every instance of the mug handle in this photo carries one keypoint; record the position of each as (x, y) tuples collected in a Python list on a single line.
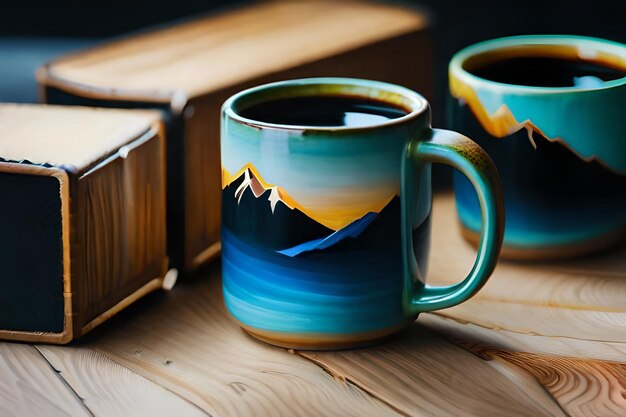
[(450, 148)]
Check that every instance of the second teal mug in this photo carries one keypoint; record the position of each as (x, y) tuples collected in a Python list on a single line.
[(550, 111), (326, 211)]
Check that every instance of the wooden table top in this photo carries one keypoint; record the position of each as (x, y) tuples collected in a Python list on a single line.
[(538, 340)]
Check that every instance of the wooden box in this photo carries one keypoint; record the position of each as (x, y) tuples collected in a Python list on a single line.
[(82, 217), (189, 69)]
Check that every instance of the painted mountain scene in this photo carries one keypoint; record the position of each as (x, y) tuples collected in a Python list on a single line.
[(270, 218), (273, 251), (260, 215)]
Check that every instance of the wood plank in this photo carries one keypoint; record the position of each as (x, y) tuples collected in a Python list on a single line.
[(186, 342), (583, 387), (109, 389), (30, 387), (215, 52), (464, 332), (547, 321), (45, 134), (422, 374)]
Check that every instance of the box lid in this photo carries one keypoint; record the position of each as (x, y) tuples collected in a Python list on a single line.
[(74, 138)]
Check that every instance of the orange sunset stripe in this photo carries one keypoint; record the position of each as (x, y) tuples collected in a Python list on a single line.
[(334, 217)]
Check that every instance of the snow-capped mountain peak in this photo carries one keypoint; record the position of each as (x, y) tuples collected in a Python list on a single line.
[(250, 181)]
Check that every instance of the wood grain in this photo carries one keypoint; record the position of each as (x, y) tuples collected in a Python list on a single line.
[(583, 387), (109, 389), (464, 332), (539, 320), (220, 51), (203, 174), (187, 343), (30, 387), (119, 228), (422, 374)]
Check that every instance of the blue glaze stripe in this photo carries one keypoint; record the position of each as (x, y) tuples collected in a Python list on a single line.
[(262, 295)]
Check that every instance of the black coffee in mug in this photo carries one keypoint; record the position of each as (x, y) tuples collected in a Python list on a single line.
[(329, 111), (547, 72)]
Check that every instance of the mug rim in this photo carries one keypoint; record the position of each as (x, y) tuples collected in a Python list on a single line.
[(587, 47), (414, 103)]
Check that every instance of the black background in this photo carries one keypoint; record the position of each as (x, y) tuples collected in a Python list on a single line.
[(462, 21)]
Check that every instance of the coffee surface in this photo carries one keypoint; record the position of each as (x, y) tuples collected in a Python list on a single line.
[(548, 72), (328, 111)]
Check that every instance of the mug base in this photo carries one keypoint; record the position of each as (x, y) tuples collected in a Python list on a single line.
[(323, 341), (549, 253)]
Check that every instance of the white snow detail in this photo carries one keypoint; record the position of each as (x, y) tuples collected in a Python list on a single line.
[(250, 181), (242, 187), (274, 198)]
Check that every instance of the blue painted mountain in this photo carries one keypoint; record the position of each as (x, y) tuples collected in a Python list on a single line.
[(350, 231), (371, 230)]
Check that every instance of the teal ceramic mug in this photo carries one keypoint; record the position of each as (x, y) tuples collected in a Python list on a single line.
[(326, 208), (550, 111)]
